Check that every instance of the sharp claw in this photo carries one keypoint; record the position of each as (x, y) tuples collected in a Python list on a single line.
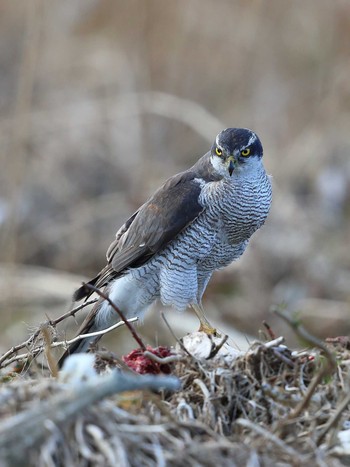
[(205, 326), (208, 330)]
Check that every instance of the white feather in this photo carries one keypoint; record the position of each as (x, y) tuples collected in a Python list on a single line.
[(128, 296)]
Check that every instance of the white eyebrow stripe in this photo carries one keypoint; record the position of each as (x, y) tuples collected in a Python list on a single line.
[(252, 139), (217, 142)]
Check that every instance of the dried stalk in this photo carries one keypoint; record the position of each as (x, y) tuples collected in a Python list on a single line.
[(174, 335), (164, 360), (51, 361), (326, 370), (29, 428), (333, 421), (30, 341), (272, 438), (38, 350)]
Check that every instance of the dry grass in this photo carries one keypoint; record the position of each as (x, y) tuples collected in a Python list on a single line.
[(241, 412), (103, 100)]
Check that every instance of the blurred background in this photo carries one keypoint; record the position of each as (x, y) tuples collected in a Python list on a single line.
[(102, 100)]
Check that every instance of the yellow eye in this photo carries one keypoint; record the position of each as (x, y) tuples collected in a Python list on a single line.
[(245, 152), (218, 151)]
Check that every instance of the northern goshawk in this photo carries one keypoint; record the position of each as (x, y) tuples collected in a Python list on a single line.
[(199, 221)]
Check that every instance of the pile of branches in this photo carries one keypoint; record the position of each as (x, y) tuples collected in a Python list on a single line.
[(269, 405)]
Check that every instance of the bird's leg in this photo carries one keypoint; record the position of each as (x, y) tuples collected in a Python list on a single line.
[(205, 326)]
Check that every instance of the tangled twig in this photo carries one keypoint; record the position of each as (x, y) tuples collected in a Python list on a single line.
[(326, 369), (30, 427), (32, 353), (8, 358)]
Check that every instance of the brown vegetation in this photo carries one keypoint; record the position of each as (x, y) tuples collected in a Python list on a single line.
[(101, 101), (267, 406)]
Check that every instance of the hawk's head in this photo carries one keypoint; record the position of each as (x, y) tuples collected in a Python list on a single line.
[(236, 150)]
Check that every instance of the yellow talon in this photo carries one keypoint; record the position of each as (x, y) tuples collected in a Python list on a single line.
[(205, 326), (208, 330)]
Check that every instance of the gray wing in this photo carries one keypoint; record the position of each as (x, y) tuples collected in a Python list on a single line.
[(170, 210)]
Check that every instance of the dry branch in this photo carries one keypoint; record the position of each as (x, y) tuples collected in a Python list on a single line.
[(223, 411), (34, 352), (30, 427), (273, 439), (6, 359), (325, 370)]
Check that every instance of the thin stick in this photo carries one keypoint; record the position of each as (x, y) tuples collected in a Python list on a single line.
[(72, 312), (94, 334), (174, 336), (334, 419), (29, 428), (217, 348), (313, 341), (37, 332), (274, 343), (47, 337), (270, 332), (164, 360), (271, 437), (301, 332), (119, 312), (37, 350)]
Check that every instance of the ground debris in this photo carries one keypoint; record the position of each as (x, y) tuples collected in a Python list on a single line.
[(237, 412)]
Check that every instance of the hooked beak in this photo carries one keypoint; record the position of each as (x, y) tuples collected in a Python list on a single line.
[(231, 164)]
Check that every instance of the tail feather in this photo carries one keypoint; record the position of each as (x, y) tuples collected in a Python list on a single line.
[(83, 291), (82, 345)]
